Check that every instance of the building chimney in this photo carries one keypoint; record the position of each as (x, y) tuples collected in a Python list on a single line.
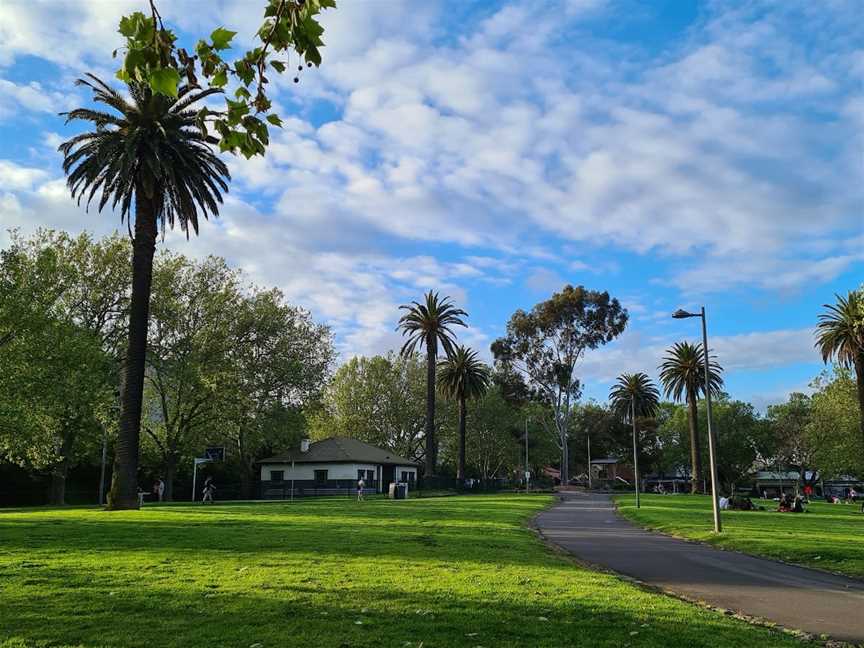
[(304, 445)]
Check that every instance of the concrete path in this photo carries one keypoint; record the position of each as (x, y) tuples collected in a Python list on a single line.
[(587, 526)]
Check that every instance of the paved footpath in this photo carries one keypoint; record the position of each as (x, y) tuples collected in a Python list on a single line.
[(587, 526)]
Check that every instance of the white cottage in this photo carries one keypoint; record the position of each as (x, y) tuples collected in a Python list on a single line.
[(332, 466)]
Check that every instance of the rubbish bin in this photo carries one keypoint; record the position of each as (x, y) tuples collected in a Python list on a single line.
[(398, 490)]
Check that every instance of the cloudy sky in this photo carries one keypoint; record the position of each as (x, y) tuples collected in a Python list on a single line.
[(674, 153)]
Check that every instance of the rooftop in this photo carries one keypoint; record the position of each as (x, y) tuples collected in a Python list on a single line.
[(341, 450)]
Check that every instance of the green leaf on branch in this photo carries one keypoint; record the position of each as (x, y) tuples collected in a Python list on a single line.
[(220, 79), (274, 119), (165, 81), (221, 38), (279, 66)]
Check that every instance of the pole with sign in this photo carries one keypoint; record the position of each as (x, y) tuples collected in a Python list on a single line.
[(197, 460)]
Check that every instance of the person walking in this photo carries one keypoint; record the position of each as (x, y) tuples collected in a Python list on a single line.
[(360, 486), (159, 489), (209, 491)]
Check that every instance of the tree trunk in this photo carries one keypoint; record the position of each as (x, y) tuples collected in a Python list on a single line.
[(431, 446), (695, 445), (61, 468), (124, 484), (245, 483), (170, 468), (859, 379), (460, 472), (565, 460)]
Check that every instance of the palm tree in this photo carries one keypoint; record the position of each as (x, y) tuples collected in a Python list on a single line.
[(683, 376), (634, 395), (460, 377), (840, 335), (426, 325), (150, 159)]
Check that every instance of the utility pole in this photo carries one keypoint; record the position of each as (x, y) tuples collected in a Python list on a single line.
[(635, 455), (527, 473)]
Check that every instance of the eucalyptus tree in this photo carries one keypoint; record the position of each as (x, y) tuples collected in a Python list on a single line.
[(461, 377), (840, 337), (429, 324), (545, 345), (634, 396), (151, 155), (682, 373)]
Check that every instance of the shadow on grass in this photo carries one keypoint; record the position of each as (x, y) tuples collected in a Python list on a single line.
[(362, 615)]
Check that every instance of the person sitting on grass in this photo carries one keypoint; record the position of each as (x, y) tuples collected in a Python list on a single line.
[(784, 505), (798, 505)]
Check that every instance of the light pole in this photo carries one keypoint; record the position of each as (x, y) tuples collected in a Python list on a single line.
[(590, 486), (715, 503), (635, 456), (527, 473)]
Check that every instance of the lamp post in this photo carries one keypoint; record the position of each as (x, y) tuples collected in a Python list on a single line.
[(635, 455), (715, 503), (527, 473)]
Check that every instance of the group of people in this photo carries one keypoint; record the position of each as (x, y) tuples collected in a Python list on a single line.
[(736, 503), (790, 504)]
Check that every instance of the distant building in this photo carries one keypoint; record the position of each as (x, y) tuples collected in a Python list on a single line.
[(333, 466)]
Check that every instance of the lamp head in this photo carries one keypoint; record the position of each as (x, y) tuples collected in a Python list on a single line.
[(682, 314)]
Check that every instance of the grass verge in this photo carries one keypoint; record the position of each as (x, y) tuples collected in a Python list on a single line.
[(828, 536)]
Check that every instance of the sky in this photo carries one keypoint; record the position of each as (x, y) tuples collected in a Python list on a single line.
[(673, 153)]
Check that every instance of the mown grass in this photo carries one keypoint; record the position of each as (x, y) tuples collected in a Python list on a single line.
[(828, 536), (445, 572)]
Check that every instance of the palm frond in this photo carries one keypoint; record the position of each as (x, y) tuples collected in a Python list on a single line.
[(149, 146)]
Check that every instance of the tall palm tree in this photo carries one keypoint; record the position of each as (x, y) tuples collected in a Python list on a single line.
[(460, 377), (840, 335), (429, 324), (683, 376), (150, 159), (634, 396)]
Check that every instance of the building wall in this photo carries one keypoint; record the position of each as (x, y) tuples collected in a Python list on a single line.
[(306, 471)]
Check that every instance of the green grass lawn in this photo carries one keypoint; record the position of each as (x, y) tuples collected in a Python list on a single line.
[(445, 572), (828, 536)]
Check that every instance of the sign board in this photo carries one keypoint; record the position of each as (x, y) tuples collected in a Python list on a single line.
[(215, 453), (527, 474)]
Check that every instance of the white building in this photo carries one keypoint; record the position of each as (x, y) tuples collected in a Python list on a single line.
[(331, 466)]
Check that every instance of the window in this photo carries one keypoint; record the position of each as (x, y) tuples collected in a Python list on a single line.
[(370, 475), (361, 474), (320, 476), (277, 475), (404, 476)]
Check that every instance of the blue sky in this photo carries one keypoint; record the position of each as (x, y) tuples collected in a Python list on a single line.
[(674, 153)]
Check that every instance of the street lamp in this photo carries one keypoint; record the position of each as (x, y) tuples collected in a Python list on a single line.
[(715, 504), (635, 455)]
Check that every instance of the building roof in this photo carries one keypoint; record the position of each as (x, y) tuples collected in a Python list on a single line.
[(342, 450)]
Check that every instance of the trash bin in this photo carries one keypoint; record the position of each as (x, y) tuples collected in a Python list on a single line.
[(398, 490)]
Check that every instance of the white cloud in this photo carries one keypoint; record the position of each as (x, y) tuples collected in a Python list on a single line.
[(632, 352)]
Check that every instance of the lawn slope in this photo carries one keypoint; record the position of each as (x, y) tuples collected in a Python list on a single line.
[(828, 536), (447, 572)]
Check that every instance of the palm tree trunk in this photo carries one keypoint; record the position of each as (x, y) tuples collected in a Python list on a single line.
[(460, 473), (859, 379), (695, 445), (124, 484), (431, 447)]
